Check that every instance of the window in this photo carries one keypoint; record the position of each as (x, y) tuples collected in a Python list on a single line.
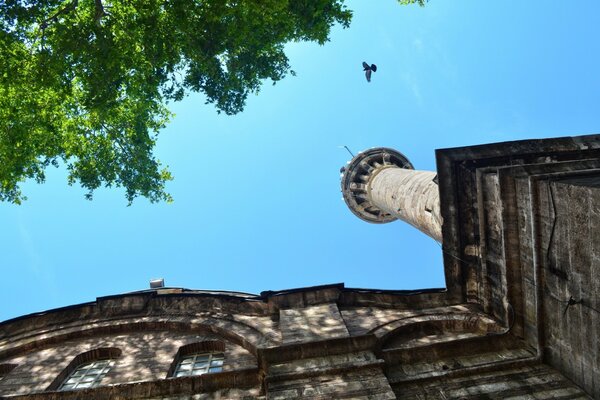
[(87, 375), (198, 364), (87, 370), (198, 358)]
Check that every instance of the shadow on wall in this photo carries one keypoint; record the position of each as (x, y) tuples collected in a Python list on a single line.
[(139, 356)]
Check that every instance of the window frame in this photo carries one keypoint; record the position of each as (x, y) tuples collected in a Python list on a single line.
[(213, 360), (105, 366), (215, 349), (91, 356)]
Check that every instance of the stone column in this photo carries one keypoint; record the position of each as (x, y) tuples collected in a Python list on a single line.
[(380, 185)]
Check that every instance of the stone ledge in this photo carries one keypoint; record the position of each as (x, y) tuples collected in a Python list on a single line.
[(236, 331), (466, 371), (328, 370), (240, 379), (320, 348)]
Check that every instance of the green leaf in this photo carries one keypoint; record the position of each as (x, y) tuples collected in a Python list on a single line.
[(86, 82)]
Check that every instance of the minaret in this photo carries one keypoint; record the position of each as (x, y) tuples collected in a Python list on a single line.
[(380, 185)]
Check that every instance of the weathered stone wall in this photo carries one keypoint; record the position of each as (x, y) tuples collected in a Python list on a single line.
[(144, 356), (358, 384), (522, 239), (307, 347), (519, 317), (318, 322), (531, 382), (571, 270)]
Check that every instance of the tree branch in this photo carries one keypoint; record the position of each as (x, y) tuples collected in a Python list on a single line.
[(53, 18), (99, 12)]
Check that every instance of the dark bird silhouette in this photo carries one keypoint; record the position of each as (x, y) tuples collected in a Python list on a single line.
[(368, 69)]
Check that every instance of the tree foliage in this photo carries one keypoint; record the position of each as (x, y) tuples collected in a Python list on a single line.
[(419, 2), (85, 82)]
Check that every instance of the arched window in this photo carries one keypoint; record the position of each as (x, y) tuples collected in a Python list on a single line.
[(86, 370), (87, 375), (198, 358), (198, 364)]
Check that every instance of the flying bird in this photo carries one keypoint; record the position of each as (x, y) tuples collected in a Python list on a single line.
[(368, 69)]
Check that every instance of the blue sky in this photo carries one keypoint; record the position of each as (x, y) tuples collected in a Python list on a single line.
[(257, 202)]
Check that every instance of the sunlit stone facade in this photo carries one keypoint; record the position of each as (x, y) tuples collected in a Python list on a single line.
[(518, 317)]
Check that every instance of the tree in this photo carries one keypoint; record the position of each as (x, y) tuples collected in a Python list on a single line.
[(419, 2), (86, 82)]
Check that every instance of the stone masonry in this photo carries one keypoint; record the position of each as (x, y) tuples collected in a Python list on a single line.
[(518, 319), (380, 185)]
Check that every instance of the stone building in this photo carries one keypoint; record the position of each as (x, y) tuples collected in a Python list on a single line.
[(519, 317)]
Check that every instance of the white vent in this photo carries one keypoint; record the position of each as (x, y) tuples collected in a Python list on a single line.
[(157, 283)]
